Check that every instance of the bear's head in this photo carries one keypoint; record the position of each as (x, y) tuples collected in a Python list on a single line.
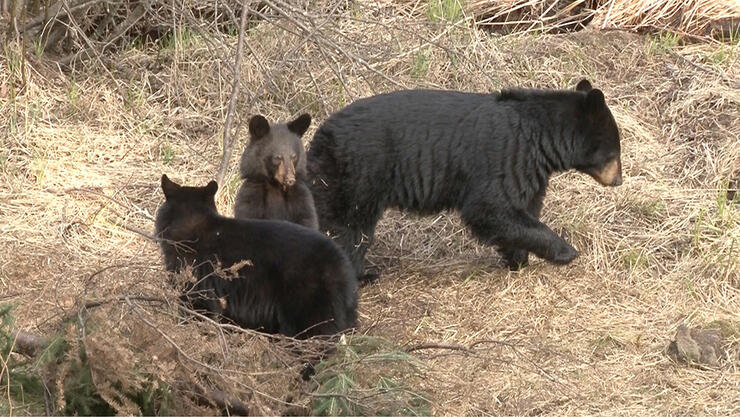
[(185, 210), (599, 153), (275, 153)]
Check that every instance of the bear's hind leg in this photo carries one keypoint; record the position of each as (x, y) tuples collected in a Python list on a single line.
[(354, 232), (360, 243), (514, 259)]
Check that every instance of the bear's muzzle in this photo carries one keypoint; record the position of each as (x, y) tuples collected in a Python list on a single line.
[(610, 174)]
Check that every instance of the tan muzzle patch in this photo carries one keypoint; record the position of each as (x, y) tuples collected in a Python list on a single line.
[(285, 175), (610, 174)]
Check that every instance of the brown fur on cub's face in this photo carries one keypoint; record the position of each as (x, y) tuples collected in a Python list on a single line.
[(275, 153), (273, 167)]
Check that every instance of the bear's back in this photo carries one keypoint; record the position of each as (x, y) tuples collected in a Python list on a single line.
[(427, 142), (430, 108), (288, 277)]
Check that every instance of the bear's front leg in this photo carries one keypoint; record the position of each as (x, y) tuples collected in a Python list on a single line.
[(516, 230), (514, 258), (249, 202), (526, 232), (302, 207)]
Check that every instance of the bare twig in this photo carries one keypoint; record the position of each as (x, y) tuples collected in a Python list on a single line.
[(448, 346), (140, 231), (55, 12), (128, 227), (119, 31), (226, 155), (171, 341), (97, 303)]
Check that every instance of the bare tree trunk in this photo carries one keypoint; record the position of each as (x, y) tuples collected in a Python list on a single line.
[(227, 142)]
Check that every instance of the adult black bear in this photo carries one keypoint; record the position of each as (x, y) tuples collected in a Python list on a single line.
[(297, 281), (273, 167), (487, 155)]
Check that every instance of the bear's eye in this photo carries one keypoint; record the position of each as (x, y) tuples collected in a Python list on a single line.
[(277, 159), (294, 157)]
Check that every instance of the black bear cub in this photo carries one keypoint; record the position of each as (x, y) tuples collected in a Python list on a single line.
[(273, 167), (489, 156), (297, 281)]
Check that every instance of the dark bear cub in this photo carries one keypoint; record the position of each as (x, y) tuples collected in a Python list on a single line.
[(273, 167), (488, 156), (296, 282)]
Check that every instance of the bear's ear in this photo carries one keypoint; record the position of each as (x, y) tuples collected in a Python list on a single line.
[(211, 188), (595, 101), (300, 124), (584, 85), (258, 127), (169, 188)]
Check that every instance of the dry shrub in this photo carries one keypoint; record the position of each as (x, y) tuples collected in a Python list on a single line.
[(706, 18), (696, 18), (507, 16)]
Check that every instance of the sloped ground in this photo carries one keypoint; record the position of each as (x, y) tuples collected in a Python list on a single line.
[(82, 154)]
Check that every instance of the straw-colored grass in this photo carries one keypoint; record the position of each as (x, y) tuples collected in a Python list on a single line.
[(532, 15), (82, 153), (705, 19), (719, 19)]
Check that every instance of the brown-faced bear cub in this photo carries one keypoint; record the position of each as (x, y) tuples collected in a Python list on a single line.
[(488, 156), (273, 167), (297, 282)]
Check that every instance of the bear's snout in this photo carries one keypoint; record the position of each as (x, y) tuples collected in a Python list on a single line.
[(285, 174), (289, 174), (617, 181), (610, 174)]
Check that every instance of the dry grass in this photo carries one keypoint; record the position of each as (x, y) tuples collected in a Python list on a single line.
[(82, 153), (533, 15), (695, 17), (704, 19)]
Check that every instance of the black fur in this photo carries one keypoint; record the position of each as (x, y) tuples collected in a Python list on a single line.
[(487, 155), (299, 282), (273, 167)]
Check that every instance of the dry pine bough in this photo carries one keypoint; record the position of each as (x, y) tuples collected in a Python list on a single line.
[(32, 345)]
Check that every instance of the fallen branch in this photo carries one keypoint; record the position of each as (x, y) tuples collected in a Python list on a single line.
[(448, 346), (219, 399), (97, 303)]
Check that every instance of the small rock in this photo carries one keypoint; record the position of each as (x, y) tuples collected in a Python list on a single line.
[(696, 346)]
